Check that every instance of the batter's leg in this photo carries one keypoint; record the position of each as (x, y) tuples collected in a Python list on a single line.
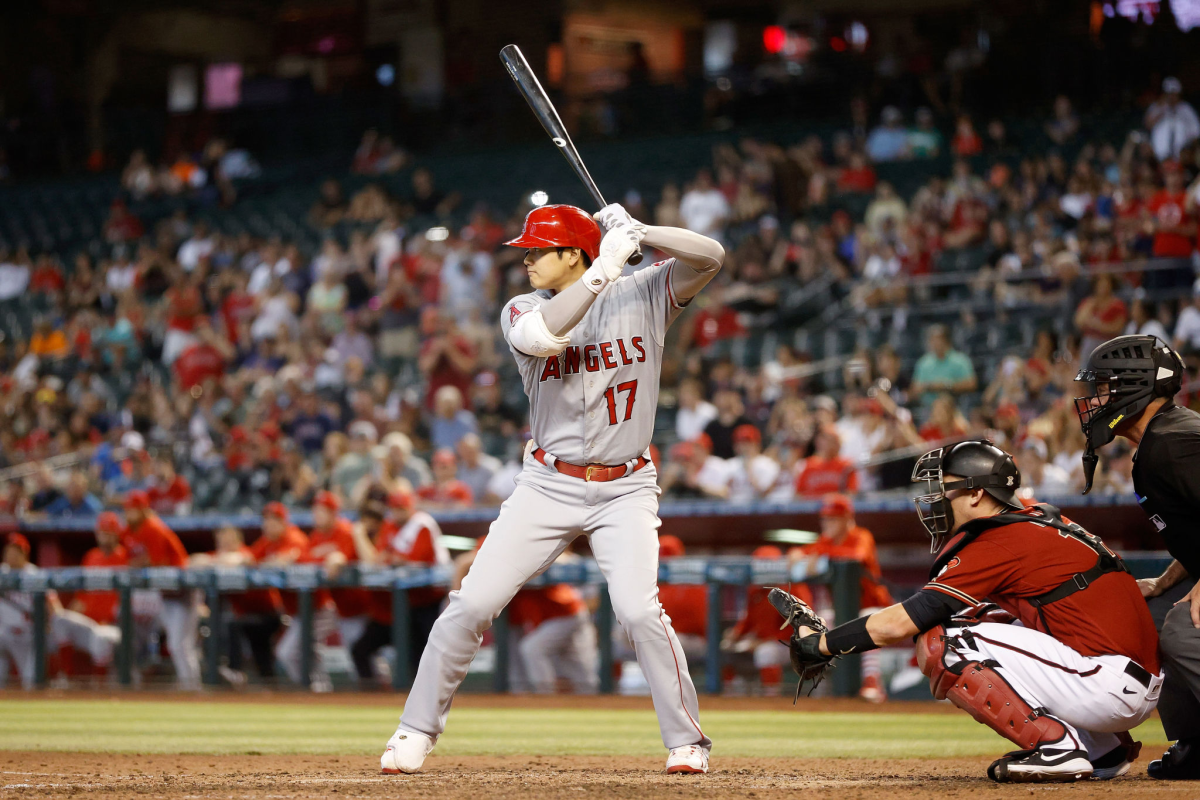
[(533, 528), (624, 539)]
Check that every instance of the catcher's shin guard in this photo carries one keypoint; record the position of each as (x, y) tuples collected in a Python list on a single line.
[(977, 688)]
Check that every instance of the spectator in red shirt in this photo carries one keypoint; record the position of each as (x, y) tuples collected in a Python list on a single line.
[(945, 421), (1174, 227), (858, 177), (47, 278), (715, 322), (447, 358), (170, 495), (446, 491), (203, 359), (1101, 316), (826, 471), (966, 141)]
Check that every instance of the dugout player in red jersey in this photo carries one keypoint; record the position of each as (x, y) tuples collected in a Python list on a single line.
[(1081, 669), (1129, 383)]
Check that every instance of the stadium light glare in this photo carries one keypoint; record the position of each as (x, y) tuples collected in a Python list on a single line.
[(539, 198), (438, 234)]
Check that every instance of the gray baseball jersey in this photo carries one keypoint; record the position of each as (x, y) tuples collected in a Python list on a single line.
[(595, 402)]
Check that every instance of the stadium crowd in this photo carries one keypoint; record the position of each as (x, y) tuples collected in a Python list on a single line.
[(185, 370)]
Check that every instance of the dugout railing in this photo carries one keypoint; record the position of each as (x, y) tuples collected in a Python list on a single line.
[(716, 573)]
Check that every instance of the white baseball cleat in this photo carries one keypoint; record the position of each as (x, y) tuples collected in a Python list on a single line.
[(689, 759), (405, 752), (1041, 766)]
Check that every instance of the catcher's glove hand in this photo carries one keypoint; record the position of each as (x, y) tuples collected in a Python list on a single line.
[(808, 661)]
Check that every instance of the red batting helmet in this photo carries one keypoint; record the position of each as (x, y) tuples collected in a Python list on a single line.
[(560, 226)]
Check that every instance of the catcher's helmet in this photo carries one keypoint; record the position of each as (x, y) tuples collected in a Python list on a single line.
[(980, 464), (560, 226), (1121, 377)]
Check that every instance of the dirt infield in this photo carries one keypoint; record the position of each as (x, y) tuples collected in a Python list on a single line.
[(53, 775)]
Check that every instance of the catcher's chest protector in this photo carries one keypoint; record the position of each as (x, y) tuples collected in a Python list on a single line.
[(977, 688)]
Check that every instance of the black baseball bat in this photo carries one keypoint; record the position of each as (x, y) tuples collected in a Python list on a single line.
[(531, 89)]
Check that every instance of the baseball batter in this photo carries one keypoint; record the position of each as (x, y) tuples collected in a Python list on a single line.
[(588, 342)]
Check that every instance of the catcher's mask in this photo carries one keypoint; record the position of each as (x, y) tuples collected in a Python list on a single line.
[(979, 464), (1121, 377)]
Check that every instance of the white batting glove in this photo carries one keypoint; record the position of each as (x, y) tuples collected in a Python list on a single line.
[(613, 215), (616, 248)]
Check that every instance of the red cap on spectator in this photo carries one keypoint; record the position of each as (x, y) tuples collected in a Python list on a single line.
[(108, 522), (837, 505), (705, 441), (238, 434), (745, 433), (277, 510), (401, 498), (669, 546), (683, 451), (767, 551), (18, 541), (329, 500), (137, 499)]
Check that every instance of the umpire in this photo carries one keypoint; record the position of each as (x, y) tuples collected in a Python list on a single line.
[(1131, 381)]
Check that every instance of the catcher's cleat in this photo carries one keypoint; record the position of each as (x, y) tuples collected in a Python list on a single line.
[(1118, 761), (690, 759), (806, 658), (1041, 766), (405, 752)]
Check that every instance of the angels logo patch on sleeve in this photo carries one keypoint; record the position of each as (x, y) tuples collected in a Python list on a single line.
[(1158, 523), (513, 313)]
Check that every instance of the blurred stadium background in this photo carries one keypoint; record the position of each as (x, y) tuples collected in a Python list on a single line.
[(251, 252)]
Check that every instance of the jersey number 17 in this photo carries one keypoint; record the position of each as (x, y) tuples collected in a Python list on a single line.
[(611, 396)]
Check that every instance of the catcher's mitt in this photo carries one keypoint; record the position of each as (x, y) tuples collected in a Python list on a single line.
[(808, 661)]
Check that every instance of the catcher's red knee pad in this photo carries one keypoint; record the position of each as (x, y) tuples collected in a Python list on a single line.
[(977, 688), (983, 693)]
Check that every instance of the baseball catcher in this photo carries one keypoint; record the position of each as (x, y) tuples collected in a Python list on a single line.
[(1069, 682)]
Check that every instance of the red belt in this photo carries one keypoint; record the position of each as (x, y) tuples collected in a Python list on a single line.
[(591, 472)]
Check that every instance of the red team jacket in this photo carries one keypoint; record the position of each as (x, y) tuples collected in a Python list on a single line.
[(349, 602), (413, 543), (1010, 564), (293, 540), (102, 606)]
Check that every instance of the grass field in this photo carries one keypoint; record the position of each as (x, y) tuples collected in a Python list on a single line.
[(248, 728)]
